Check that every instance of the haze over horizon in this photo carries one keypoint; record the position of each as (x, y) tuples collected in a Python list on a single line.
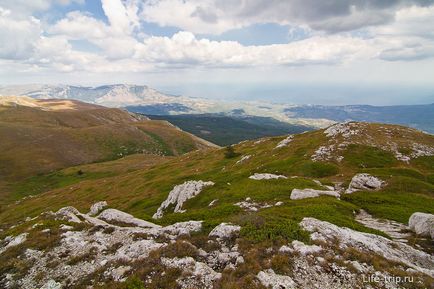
[(298, 52)]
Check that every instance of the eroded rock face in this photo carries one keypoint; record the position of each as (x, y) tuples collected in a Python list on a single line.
[(225, 230), (180, 194), (364, 182), (275, 281), (422, 224), (370, 243), (266, 177), (298, 194)]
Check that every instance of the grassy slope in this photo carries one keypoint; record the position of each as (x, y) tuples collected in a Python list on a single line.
[(37, 141), (410, 186)]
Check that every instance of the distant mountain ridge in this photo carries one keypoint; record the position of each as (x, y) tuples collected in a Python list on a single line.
[(150, 101)]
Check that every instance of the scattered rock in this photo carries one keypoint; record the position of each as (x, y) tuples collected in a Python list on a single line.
[(391, 228), (285, 142), (303, 249), (298, 194), (370, 243), (364, 182), (266, 177), (51, 284), (199, 275), (346, 130), (422, 224), (212, 203), (180, 194), (225, 231), (243, 159), (272, 280), (113, 215), (96, 208), (251, 206)]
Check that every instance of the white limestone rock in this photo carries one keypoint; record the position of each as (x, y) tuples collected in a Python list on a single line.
[(275, 281), (111, 215), (180, 194), (285, 142), (68, 214), (266, 177), (422, 224), (298, 194), (212, 203), (183, 228), (51, 284), (346, 130), (252, 206), (96, 208), (243, 159), (303, 249), (13, 241), (370, 243), (225, 230), (203, 275), (364, 182)]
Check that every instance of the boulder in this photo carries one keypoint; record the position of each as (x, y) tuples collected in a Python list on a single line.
[(225, 230), (422, 224), (96, 208), (179, 194), (275, 281), (364, 182), (298, 194), (113, 215)]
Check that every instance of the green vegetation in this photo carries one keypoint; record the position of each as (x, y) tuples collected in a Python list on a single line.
[(368, 157), (227, 130), (137, 187), (230, 152)]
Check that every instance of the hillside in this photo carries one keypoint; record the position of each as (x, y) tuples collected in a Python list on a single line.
[(225, 130), (40, 136), (323, 207)]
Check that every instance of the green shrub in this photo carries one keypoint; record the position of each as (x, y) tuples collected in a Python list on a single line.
[(230, 152), (274, 230)]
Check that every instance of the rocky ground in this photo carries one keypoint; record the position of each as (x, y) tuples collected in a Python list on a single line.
[(110, 248)]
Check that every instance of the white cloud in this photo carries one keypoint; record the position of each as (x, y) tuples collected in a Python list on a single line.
[(185, 49), (17, 36)]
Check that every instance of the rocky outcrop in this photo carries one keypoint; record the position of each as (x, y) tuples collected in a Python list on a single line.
[(97, 207), (364, 182), (369, 243), (180, 194), (11, 241), (119, 217), (422, 224), (275, 281), (202, 275), (266, 177), (298, 194), (225, 231), (395, 230), (285, 142)]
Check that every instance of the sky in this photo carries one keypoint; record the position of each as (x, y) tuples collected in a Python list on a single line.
[(294, 51)]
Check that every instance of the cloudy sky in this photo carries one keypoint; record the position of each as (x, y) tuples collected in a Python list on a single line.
[(300, 51)]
